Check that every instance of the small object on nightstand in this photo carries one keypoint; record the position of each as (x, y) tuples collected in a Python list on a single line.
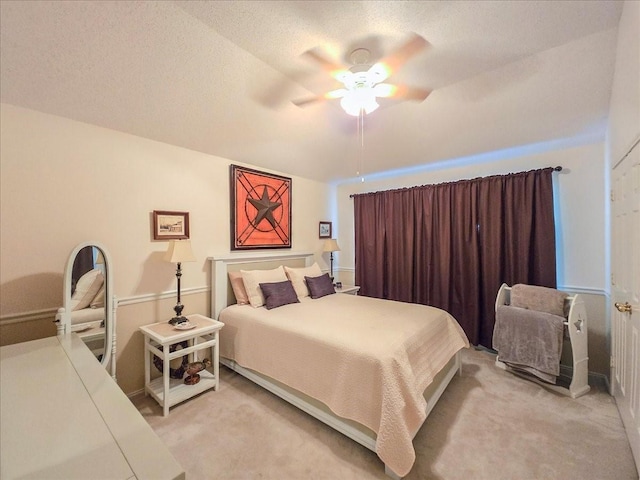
[(184, 325), (192, 371)]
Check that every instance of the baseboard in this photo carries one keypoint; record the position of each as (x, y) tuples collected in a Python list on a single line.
[(595, 379), (135, 393)]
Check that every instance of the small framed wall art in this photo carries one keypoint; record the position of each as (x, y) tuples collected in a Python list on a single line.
[(260, 209), (324, 230), (170, 225)]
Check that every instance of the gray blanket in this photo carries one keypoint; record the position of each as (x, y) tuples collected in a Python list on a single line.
[(530, 341)]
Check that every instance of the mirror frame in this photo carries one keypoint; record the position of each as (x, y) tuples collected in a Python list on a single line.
[(109, 319)]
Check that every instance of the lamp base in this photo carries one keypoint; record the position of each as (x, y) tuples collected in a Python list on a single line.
[(176, 320), (179, 318)]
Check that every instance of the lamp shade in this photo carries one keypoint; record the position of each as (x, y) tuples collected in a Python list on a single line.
[(179, 251), (331, 245)]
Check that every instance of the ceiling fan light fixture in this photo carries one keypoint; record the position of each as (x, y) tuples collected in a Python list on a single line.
[(350, 105), (342, 75), (371, 105), (379, 72), (355, 101)]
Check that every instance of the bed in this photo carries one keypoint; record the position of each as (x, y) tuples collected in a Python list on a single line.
[(373, 377)]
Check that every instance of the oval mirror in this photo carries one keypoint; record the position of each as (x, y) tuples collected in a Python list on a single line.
[(88, 306)]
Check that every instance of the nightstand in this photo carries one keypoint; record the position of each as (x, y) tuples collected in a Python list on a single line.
[(158, 337), (348, 289)]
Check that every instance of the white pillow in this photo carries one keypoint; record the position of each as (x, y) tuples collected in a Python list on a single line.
[(86, 289), (253, 278), (98, 301), (237, 285), (296, 275)]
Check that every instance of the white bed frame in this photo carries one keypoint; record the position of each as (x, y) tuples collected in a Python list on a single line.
[(576, 329), (222, 296)]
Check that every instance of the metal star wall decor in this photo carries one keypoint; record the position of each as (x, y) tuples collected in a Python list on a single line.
[(260, 209), (265, 208)]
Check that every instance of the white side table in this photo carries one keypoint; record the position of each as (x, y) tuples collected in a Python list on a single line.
[(158, 337), (348, 289)]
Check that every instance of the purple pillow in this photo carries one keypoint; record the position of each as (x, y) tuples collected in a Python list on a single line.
[(320, 286), (277, 294)]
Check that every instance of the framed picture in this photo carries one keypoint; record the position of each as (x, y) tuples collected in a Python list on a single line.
[(260, 209), (324, 230), (170, 225)]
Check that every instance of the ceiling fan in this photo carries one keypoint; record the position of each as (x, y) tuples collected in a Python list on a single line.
[(363, 82)]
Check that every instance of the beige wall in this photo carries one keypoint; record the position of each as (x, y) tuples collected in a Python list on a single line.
[(65, 182), (580, 191)]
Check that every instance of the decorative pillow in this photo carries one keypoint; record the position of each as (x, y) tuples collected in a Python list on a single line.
[(278, 294), (98, 300), (320, 286), (541, 299), (86, 289), (296, 275), (253, 278), (238, 288)]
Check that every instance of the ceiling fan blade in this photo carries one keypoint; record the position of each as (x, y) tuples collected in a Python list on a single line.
[(303, 102), (339, 93), (414, 45), (379, 72), (385, 90), (333, 68), (401, 92), (404, 92)]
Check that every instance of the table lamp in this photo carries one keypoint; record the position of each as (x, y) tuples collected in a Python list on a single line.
[(179, 251), (331, 245)]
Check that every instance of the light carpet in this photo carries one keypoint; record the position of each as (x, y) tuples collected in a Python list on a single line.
[(489, 424)]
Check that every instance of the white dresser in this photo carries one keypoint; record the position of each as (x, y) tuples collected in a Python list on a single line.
[(63, 417)]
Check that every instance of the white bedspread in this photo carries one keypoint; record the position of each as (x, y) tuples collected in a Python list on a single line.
[(368, 360)]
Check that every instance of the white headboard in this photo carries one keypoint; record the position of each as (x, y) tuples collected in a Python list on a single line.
[(221, 265)]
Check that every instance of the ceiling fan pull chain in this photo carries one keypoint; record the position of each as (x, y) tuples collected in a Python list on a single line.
[(361, 135)]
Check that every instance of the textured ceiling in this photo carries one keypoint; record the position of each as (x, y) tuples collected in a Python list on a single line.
[(218, 77)]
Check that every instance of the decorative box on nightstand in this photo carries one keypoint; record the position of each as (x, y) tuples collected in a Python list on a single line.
[(158, 338), (348, 289)]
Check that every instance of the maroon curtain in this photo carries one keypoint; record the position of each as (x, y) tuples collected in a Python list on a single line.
[(452, 245), (81, 265)]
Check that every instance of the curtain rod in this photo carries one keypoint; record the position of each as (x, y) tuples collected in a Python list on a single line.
[(555, 169)]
